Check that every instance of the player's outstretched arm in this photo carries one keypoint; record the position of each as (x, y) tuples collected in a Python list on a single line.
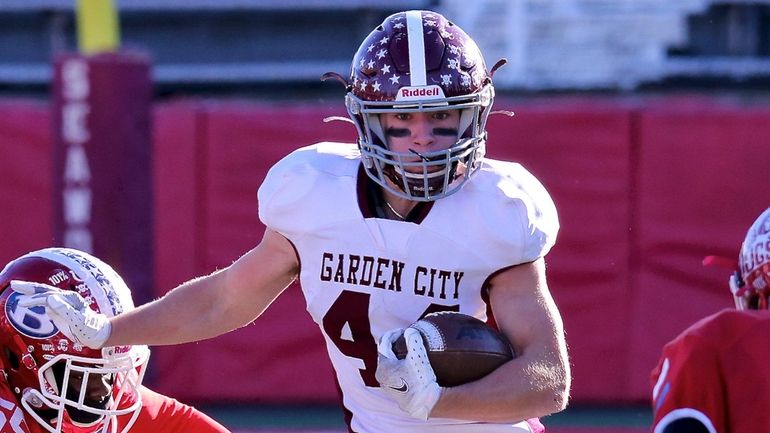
[(214, 304), (535, 383), (198, 309)]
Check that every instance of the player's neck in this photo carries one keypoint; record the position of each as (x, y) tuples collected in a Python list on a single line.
[(396, 207)]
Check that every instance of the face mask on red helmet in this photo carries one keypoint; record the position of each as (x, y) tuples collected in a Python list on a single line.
[(60, 384)]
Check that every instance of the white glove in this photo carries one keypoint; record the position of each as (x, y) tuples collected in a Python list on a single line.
[(68, 311), (410, 381)]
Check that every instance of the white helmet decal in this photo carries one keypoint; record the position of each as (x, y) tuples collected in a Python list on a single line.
[(31, 322)]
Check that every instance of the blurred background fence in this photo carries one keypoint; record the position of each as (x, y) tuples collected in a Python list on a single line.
[(647, 120), (220, 45)]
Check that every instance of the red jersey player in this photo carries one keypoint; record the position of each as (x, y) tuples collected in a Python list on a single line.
[(709, 378), (50, 384)]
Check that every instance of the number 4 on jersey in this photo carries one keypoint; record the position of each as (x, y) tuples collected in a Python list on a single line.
[(351, 310)]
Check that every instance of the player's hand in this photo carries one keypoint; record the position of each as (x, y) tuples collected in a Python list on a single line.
[(410, 381), (68, 311)]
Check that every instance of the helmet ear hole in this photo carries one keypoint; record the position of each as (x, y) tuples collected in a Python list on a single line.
[(13, 360)]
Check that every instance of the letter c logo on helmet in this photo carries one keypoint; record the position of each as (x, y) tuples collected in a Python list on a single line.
[(32, 322)]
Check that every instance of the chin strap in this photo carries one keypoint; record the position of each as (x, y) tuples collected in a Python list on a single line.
[(335, 76), (498, 64), (504, 112), (338, 119)]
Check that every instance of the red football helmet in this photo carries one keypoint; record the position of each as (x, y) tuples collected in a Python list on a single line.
[(751, 285), (65, 386), (420, 61)]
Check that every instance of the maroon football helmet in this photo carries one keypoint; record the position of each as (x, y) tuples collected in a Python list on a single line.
[(420, 61), (53, 377), (751, 284)]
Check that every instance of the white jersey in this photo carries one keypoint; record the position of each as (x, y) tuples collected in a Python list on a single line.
[(362, 275)]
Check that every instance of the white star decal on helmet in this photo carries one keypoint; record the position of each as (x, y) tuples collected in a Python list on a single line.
[(450, 67)]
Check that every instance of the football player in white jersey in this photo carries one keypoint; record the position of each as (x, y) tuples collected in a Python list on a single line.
[(409, 220)]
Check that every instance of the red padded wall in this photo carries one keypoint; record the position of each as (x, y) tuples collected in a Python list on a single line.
[(25, 185), (178, 184), (643, 191), (178, 222), (701, 181), (636, 189), (580, 151)]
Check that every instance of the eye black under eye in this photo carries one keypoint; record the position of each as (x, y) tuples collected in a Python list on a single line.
[(397, 132), (452, 132), (404, 132)]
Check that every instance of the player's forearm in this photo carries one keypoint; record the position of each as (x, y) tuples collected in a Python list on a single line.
[(193, 311), (212, 305), (518, 390)]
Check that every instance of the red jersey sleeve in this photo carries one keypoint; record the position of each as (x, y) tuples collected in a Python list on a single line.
[(714, 373), (160, 413), (709, 373), (685, 385)]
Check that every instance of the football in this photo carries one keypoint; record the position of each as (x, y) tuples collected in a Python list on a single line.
[(461, 348)]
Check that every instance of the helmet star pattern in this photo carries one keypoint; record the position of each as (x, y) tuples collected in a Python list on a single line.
[(419, 61), (451, 56)]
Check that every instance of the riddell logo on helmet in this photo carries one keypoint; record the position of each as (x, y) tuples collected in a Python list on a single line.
[(422, 92)]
